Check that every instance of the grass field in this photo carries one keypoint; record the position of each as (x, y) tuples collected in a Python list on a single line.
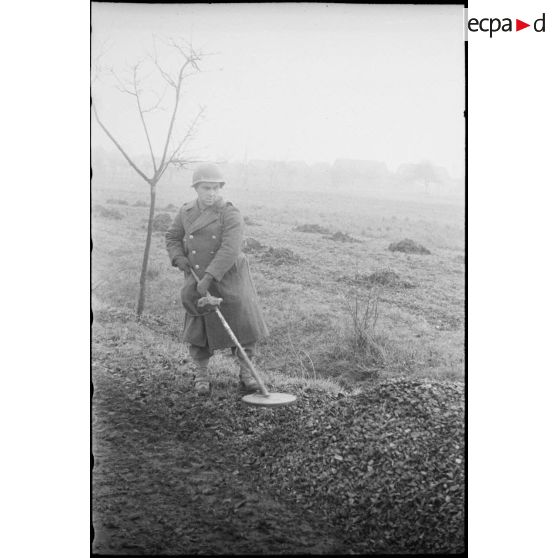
[(309, 304)]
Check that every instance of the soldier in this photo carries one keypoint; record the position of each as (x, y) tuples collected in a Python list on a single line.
[(207, 236)]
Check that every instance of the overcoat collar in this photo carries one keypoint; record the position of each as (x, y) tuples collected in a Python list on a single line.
[(196, 219)]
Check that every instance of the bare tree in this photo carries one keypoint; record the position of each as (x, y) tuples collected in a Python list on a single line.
[(176, 139), (426, 173)]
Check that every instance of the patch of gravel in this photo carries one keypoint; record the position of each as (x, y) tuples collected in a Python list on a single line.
[(408, 246)]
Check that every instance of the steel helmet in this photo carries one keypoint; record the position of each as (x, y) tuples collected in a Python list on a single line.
[(208, 172)]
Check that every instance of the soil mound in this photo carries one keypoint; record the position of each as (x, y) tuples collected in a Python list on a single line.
[(408, 246), (105, 213), (162, 222), (342, 237), (306, 228), (280, 256), (250, 222)]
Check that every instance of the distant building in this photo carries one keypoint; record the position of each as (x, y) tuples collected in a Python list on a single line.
[(360, 174)]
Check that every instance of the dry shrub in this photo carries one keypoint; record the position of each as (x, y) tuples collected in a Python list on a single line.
[(152, 273), (251, 245), (363, 339), (162, 222), (358, 349), (383, 277), (140, 203)]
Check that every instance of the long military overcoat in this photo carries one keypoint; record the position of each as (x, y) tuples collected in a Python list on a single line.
[(212, 241)]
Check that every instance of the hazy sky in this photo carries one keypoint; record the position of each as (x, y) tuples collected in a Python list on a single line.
[(311, 82)]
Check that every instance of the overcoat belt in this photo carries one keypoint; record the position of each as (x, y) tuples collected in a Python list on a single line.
[(212, 240)]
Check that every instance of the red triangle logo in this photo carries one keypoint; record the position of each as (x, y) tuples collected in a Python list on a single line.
[(519, 25)]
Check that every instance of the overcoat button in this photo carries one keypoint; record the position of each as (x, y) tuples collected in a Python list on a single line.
[(193, 251), (213, 236), (197, 266), (191, 236)]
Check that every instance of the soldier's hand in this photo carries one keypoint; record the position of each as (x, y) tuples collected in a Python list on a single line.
[(204, 284), (181, 262)]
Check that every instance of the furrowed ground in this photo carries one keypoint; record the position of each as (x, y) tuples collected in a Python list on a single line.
[(369, 459)]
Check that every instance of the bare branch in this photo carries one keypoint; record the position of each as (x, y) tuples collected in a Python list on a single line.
[(190, 55), (142, 118), (173, 43), (121, 86), (118, 146), (169, 132), (164, 163), (159, 101), (154, 56), (186, 163), (98, 69), (103, 49), (189, 134), (96, 60), (164, 74)]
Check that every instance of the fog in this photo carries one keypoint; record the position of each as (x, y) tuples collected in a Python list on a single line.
[(297, 82)]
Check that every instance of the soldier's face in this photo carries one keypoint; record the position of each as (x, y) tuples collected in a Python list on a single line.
[(208, 192)]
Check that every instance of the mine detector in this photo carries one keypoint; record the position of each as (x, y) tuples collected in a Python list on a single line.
[(262, 398)]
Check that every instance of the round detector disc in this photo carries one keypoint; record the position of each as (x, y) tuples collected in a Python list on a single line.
[(272, 400)]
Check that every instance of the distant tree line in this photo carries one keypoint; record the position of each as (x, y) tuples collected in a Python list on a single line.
[(353, 175)]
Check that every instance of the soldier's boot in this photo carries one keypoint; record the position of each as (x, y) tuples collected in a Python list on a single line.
[(202, 384), (247, 383)]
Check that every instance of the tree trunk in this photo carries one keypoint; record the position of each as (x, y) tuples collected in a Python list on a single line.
[(143, 276)]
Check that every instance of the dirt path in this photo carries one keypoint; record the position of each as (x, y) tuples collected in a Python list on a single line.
[(177, 480)]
